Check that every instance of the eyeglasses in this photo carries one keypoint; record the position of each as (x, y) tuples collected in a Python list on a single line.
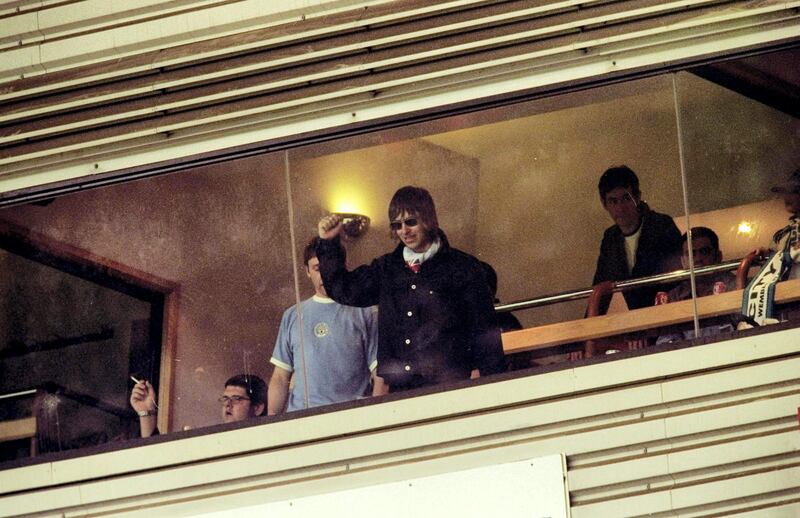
[(409, 222), (232, 399), (705, 250)]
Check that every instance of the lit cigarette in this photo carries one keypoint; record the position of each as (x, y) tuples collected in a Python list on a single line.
[(137, 382)]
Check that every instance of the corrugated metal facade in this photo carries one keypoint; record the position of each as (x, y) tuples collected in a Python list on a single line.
[(97, 87)]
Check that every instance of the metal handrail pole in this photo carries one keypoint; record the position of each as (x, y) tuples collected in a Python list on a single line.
[(566, 296)]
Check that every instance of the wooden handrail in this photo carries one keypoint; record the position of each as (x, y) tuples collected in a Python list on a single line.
[(635, 320), (15, 429)]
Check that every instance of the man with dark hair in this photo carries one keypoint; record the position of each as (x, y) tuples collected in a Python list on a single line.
[(245, 396), (436, 316), (705, 252), (326, 346), (641, 242)]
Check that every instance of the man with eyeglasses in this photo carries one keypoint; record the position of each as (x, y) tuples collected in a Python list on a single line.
[(641, 242), (328, 346), (436, 318), (705, 252), (245, 396)]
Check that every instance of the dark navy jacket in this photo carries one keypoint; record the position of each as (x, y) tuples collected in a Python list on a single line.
[(434, 325), (658, 251)]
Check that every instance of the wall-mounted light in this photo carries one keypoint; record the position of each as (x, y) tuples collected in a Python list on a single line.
[(353, 225), (745, 227)]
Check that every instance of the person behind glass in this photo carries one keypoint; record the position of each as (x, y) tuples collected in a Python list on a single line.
[(436, 319), (505, 321), (245, 396), (340, 344), (705, 252), (641, 242), (788, 237)]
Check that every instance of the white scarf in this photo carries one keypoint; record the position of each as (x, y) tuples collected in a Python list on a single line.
[(412, 257)]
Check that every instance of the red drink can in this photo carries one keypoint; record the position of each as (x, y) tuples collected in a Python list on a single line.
[(719, 287), (661, 298)]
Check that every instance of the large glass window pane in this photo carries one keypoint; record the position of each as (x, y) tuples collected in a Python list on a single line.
[(516, 187), (739, 129), (179, 279)]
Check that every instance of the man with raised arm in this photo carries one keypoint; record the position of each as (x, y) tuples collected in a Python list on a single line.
[(641, 242), (334, 351), (436, 319), (245, 396)]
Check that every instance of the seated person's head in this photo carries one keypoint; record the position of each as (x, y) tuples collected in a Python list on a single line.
[(311, 264), (705, 248), (245, 396), (412, 217), (790, 188), (620, 196)]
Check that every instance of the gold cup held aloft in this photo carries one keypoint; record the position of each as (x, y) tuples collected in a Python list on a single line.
[(353, 225)]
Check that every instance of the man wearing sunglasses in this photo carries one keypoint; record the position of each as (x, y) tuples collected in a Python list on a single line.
[(245, 396), (436, 318), (641, 242)]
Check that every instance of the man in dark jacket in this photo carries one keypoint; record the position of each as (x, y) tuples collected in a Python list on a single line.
[(641, 242), (435, 313)]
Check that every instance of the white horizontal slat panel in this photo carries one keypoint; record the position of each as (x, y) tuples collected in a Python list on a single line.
[(606, 433), (737, 488), (696, 466), (627, 36), (778, 511)]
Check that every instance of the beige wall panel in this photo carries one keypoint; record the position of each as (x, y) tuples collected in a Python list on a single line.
[(691, 467), (25, 504), (18, 29), (783, 511), (654, 502), (632, 476), (743, 414), (734, 457), (277, 471), (730, 380), (736, 488), (455, 85), (96, 30), (390, 414)]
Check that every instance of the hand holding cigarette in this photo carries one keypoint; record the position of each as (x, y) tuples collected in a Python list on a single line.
[(143, 396)]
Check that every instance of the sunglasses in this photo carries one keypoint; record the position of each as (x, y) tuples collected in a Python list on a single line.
[(409, 222)]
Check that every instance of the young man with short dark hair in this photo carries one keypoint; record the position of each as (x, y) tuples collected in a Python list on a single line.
[(334, 350), (705, 252), (641, 242), (436, 316)]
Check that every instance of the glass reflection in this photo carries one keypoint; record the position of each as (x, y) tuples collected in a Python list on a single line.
[(212, 243), (517, 187), (740, 137)]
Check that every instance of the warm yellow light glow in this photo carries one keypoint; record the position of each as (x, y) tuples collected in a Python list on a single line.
[(345, 199), (745, 227)]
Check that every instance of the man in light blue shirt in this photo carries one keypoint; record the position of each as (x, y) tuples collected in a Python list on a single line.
[(326, 346)]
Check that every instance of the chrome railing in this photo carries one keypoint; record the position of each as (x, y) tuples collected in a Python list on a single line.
[(565, 296)]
